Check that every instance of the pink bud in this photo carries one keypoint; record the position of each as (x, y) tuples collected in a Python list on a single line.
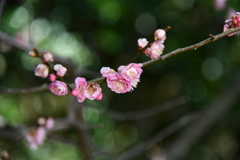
[(160, 35), (47, 57), (49, 123), (32, 54), (59, 88), (60, 70), (52, 77), (74, 92), (41, 70)]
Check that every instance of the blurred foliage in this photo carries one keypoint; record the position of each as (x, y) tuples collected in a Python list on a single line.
[(104, 33)]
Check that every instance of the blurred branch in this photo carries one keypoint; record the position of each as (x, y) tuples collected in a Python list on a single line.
[(75, 114), (24, 90), (142, 113), (2, 3), (26, 47), (216, 109), (183, 121)]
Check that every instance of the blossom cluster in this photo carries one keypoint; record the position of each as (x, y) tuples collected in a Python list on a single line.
[(36, 137), (232, 23), (122, 81), (42, 69), (83, 90), (125, 79), (154, 49)]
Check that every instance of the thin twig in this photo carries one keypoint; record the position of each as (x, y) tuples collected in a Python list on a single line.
[(183, 121), (27, 47), (216, 109), (2, 3), (24, 90), (142, 113)]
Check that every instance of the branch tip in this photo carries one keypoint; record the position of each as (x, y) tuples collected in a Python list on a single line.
[(212, 37)]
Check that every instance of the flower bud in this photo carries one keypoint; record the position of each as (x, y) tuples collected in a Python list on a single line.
[(49, 123), (47, 57), (41, 70), (33, 54), (52, 77), (60, 70), (160, 35)]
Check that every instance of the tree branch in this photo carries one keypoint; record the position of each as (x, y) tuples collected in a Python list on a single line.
[(142, 113), (195, 131), (183, 121), (27, 47)]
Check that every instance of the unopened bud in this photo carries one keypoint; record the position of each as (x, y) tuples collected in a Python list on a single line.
[(32, 54), (160, 35)]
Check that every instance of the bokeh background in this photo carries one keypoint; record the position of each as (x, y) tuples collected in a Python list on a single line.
[(94, 34)]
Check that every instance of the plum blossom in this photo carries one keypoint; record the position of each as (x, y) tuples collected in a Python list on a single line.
[(142, 42), (81, 86), (160, 35), (36, 137), (155, 49), (47, 57), (41, 70), (234, 22), (60, 70), (107, 71), (93, 91), (58, 88), (118, 84), (125, 79), (131, 71)]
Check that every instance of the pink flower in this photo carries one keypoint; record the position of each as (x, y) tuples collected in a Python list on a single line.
[(232, 23), (160, 35), (135, 82), (118, 84), (155, 50), (59, 88), (81, 85), (52, 77), (142, 42), (93, 91), (41, 70), (107, 71), (131, 71), (47, 57), (49, 123), (60, 70), (36, 137)]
